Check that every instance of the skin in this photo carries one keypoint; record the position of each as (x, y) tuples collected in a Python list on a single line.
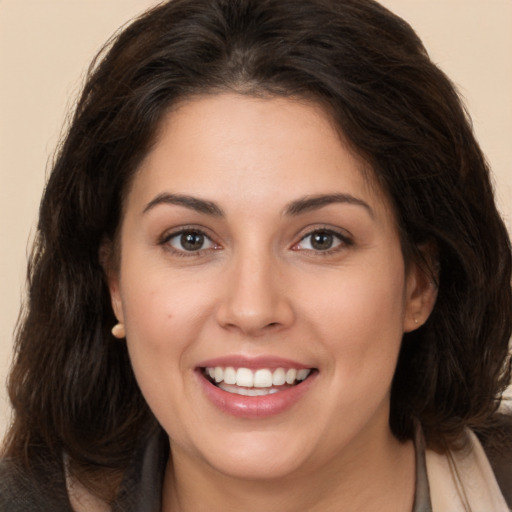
[(257, 287)]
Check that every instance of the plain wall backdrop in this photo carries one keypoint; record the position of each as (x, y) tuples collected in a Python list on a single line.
[(46, 47)]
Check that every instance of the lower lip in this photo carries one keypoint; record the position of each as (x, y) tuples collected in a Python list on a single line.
[(255, 406)]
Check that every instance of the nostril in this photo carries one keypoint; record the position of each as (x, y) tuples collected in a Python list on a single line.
[(254, 316)]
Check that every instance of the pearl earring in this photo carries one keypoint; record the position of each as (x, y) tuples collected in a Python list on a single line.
[(118, 331)]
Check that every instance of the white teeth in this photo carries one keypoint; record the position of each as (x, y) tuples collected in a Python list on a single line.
[(244, 377), (230, 375), (263, 378), (291, 375), (302, 374), (278, 377), (248, 391)]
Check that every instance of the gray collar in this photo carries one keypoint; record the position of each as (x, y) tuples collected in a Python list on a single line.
[(422, 501)]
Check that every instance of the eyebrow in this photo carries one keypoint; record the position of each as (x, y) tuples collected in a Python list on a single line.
[(193, 203), (308, 203), (297, 207)]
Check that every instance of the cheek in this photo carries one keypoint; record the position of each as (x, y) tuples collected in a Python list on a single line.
[(163, 324), (359, 318), (163, 315), (161, 301)]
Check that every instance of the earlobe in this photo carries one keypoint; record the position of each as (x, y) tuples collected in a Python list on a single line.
[(421, 289), (118, 330)]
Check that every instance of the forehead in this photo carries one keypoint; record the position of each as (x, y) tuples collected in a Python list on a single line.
[(230, 146)]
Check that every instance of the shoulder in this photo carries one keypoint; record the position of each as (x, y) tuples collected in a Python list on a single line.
[(498, 449), (16, 491), (501, 463), (466, 479), (21, 492)]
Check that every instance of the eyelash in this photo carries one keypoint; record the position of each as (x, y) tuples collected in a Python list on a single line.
[(342, 239), (166, 241)]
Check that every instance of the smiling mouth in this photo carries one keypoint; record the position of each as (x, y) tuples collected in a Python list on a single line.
[(260, 382)]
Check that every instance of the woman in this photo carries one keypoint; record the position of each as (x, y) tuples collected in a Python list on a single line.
[(269, 272)]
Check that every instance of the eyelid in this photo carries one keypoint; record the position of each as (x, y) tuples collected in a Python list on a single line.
[(345, 239), (173, 233)]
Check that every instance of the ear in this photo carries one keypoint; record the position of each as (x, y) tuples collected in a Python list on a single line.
[(421, 288), (107, 257)]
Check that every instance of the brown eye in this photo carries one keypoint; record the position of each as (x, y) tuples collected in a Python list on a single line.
[(322, 240), (190, 241)]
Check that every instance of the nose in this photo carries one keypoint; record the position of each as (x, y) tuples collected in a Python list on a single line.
[(255, 299)]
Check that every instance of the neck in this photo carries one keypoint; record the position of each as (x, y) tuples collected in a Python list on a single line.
[(379, 477)]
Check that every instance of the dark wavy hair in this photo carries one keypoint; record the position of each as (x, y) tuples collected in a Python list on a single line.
[(72, 386)]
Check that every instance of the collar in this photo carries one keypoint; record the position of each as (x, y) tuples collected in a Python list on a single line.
[(463, 481)]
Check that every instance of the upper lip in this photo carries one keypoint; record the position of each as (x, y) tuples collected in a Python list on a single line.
[(253, 363)]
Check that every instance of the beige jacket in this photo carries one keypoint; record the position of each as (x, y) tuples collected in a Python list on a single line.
[(463, 481)]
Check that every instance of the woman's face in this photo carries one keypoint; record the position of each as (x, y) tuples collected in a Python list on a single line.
[(255, 252)]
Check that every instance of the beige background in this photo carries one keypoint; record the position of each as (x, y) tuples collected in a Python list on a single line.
[(45, 48)]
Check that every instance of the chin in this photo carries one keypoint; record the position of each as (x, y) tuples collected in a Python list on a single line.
[(256, 455), (262, 467)]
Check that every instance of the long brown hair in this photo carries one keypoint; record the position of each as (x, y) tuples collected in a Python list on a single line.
[(72, 386)]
